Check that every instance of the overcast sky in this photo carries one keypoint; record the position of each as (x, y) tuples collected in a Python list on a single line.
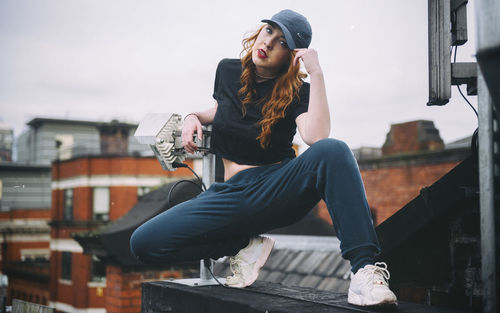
[(103, 60)]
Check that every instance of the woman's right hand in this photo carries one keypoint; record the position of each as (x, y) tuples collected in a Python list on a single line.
[(191, 125)]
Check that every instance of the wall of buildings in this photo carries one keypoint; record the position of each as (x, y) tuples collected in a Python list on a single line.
[(78, 280)]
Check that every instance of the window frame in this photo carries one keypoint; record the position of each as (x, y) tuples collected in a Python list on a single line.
[(66, 265), (100, 216), (68, 193)]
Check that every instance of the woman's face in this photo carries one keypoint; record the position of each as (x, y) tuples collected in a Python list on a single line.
[(270, 51)]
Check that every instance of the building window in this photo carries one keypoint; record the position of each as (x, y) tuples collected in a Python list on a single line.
[(68, 204), (101, 204), (98, 270), (66, 266), (64, 146)]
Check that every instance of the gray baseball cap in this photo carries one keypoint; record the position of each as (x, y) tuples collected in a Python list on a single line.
[(295, 28)]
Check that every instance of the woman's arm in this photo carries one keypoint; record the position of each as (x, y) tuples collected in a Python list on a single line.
[(314, 124), (192, 124), (205, 117)]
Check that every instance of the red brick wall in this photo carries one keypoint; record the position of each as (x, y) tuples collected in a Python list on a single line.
[(27, 291), (56, 212), (14, 248), (114, 166), (389, 189), (122, 199), (41, 214), (123, 289), (77, 293), (82, 204), (410, 137)]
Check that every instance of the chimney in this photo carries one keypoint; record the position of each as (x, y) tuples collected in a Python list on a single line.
[(411, 137), (114, 138)]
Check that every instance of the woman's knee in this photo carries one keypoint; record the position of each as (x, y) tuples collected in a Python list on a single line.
[(145, 249), (137, 245), (330, 147)]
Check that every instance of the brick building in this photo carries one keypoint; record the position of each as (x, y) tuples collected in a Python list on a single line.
[(88, 192), (96, 176), (124, 274)]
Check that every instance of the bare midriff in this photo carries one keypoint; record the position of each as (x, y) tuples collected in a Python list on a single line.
[(231, 168)]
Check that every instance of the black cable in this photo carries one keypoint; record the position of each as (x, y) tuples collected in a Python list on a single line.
[(175, 185), (206, 262), (177, 165), (204, 187), (458, 86)]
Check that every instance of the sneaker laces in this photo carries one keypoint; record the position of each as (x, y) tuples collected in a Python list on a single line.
[(377, 273), (235, 265)]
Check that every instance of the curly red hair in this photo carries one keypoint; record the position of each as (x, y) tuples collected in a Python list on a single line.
[(286, 88)]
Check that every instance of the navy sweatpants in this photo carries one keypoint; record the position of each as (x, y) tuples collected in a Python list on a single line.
[(219, 221)]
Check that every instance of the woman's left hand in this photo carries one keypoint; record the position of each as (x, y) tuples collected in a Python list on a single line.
[(310, 59)]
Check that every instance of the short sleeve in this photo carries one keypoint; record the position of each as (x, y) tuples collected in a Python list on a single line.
[(217, 77), (303, 103)]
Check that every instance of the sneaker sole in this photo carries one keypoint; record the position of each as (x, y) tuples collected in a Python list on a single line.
[(355, 299), (268, 245)]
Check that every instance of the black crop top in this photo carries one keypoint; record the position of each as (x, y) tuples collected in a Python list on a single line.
[(234, 136)]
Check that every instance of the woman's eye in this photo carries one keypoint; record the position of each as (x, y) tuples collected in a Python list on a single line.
[(269, 30), (283, 43)]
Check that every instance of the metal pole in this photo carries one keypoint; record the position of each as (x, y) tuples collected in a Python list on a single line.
[(208, 178), (486, 196), (488, 39)]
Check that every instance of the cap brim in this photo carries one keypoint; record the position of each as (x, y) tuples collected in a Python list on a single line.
[(289, 40)]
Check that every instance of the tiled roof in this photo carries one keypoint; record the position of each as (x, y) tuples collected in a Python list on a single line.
[(303, 261)]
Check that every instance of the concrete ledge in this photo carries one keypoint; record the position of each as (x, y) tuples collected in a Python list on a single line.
[(165, 296)]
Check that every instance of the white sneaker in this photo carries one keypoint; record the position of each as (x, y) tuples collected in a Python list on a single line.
[(370, 286), (246, 264)]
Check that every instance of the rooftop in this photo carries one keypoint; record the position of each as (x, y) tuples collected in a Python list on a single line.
[(165, 296), (40, 120)]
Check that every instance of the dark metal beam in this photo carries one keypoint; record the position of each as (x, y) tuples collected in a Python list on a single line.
[(439, 52)]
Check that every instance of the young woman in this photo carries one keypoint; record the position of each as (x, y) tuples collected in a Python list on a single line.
[(261, 99)]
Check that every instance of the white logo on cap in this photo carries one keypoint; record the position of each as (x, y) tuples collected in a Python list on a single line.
[(300, 36)]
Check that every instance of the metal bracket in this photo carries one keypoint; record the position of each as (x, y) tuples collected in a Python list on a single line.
[(465, 73)]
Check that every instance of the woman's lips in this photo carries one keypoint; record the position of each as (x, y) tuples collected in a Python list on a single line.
[(261, 53)]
